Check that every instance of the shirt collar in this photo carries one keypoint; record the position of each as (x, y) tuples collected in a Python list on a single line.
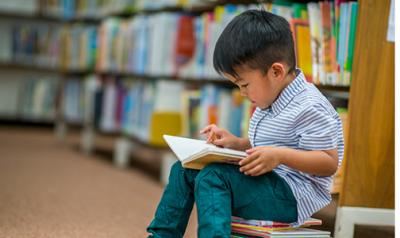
[(288, 93)]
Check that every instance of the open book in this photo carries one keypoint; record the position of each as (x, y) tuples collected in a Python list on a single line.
[(195, 154)]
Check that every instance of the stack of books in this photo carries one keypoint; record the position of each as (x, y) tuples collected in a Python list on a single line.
[(257, 228)]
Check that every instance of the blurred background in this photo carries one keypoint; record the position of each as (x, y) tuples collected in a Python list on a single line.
[(88, 88)]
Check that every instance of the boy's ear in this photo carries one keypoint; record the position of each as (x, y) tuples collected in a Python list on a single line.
[(277, 71)]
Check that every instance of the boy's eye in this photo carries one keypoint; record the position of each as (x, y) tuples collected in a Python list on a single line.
[(244, 85)]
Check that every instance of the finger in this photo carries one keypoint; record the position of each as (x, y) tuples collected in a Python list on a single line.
[(211, 137), (249, 166), (208, 128), (255, 170), (219, 142), (219, 133), (216, 133), (263, 171), (249, 158), (251, 150)]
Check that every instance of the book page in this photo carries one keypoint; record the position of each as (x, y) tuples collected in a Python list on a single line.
[(185, 147)]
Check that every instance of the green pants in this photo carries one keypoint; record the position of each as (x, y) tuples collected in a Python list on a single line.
[(220, 191)]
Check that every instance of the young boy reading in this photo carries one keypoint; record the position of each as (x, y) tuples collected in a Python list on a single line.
[(294, 144)]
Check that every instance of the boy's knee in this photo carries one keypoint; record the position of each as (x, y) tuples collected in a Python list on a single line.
[(213, 172), (176, 169), (214, 167), (179, 173)]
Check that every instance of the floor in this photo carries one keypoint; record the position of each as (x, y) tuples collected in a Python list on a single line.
[(48, 188)]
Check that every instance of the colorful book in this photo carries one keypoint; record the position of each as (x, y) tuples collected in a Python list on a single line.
[(302, 38), (348, 66), (328, 61), (298, 232), (300, 11), (261, 228), (314, 15), (272, 224)]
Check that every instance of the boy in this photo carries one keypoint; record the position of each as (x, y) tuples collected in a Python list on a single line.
[(295, 141)]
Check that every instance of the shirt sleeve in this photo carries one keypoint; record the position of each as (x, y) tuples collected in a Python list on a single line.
[(316, 129)]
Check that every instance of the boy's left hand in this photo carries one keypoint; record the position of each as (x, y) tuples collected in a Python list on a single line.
[(260, 160)]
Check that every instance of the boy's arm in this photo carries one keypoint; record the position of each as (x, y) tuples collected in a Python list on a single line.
[(320, 162), (265, 158)]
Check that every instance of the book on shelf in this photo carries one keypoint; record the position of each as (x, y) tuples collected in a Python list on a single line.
[(329, 70), (5, 42), (73, 97), (302, 41), (195, 154), (348, 63), (37, 97), (9, 99)]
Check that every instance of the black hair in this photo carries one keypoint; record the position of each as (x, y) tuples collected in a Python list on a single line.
[(257, 39)]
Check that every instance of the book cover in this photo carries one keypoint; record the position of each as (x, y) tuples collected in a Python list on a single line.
[(302, 38), (314, 15), (348, 64), (327, 61), (195, 154), (271, 224), (107, 121), (185, 41), (341, 42), (297, 232)]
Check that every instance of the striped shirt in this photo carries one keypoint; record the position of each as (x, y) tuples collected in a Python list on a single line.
[(300, 118)]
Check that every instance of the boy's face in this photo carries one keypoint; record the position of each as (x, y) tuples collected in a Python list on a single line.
[(261, 89)]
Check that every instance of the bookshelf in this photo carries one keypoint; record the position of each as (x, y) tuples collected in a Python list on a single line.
[(124, 144), (75, 74), (367, 196)]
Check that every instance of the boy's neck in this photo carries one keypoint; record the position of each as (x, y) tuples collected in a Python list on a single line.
[(288, 79)]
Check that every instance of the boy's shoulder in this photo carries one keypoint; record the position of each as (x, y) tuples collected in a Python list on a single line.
[(311, 99)]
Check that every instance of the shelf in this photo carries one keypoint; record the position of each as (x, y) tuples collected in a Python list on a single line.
[(335, 91), (206, 6), (342, 91), (21, 66), (333, 87), (133, 138), (143, 143), (11, 120), (73, 124), (39, 68), (168, 77), (50, 18)]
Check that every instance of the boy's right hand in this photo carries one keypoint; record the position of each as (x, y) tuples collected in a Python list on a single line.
[(220, 137)]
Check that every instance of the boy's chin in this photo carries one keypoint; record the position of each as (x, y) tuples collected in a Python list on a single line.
[(262, 107)]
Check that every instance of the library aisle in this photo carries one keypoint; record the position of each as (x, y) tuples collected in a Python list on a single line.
[(51, 190), (88, 88)]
